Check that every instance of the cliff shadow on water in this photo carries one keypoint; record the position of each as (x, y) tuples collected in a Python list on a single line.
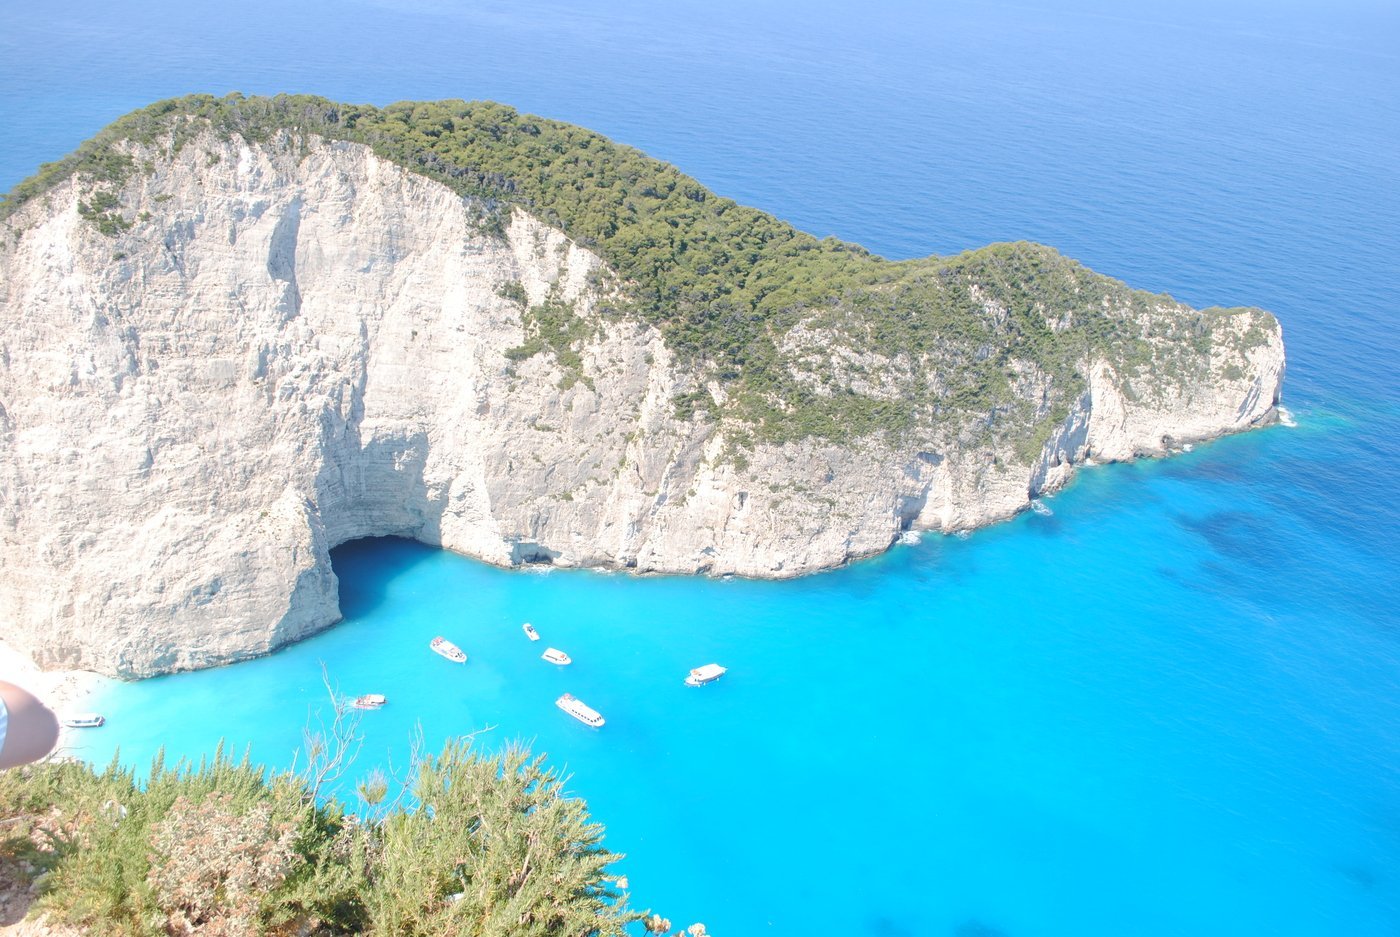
[(366, 566)]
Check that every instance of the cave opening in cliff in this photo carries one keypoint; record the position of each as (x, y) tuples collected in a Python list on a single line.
[(366, 567)]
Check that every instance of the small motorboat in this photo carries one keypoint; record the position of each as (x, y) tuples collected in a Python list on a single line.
[(576, 708), (83, 720), (369, 701), (530, 631), (556, 656), (447, 649), (707, 673)]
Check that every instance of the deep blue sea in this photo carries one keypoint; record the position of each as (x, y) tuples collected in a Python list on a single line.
[(1171, 708)]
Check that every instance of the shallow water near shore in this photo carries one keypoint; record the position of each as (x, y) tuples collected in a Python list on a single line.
[(1170, 707), (1084, 717)]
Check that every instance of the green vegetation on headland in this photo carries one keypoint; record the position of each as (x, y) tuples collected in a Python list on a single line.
[(485, 846), (807, 336)]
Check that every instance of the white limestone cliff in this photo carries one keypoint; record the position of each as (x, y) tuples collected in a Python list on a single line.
[(297, 344)]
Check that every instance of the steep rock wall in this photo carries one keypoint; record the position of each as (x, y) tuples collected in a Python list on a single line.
[(297, 344)]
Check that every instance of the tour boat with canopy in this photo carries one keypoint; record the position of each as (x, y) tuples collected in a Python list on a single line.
[(576, 708), (447, 649), (83, 720), (706, 673)]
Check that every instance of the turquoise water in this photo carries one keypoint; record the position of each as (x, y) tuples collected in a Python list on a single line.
[(1173, 707)]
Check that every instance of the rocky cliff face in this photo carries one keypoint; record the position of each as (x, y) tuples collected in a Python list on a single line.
[(297, 343)]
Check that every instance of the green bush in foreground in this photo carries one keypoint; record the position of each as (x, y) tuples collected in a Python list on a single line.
[(488, 846)]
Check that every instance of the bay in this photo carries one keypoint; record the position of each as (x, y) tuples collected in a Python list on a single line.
[(1171, 707)]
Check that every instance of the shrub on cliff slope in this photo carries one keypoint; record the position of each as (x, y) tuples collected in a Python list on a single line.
[(489, 846)]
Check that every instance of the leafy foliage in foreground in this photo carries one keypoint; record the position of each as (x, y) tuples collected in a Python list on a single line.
[(728, 286), (490, 847)]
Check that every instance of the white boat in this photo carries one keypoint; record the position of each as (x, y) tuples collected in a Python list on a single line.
[(530, 631), (83, 720), (706, 673), (556, 656), (1040, 507), (447, 649), (576, 708), (369, 701)]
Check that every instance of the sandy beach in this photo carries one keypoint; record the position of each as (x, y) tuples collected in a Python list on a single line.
[(63, 691)]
